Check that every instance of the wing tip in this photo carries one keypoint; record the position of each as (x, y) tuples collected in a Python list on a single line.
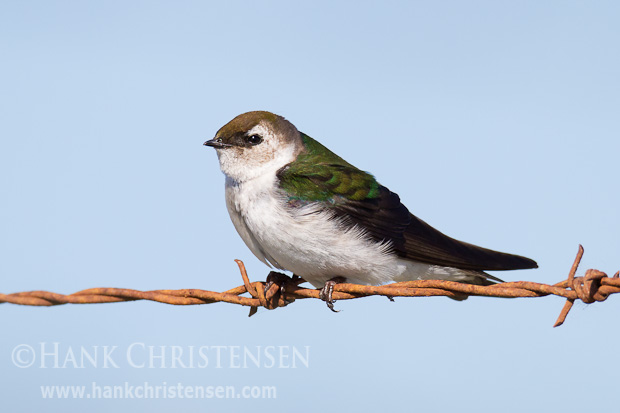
[(531, 264), (522, 263)]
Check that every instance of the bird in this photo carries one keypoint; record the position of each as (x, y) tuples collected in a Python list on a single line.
[(302, 208)]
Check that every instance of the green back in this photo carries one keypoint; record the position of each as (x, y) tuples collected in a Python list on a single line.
[(318, 174)]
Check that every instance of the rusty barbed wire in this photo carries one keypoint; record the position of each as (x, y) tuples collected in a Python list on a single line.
[(594, 286)]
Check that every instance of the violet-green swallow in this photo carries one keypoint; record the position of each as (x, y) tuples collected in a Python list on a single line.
[(302, 208)]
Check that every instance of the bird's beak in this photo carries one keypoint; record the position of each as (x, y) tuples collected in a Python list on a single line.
[(216, 143)]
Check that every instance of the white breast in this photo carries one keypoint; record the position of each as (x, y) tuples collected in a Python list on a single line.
[(316, 246), (303, 240)]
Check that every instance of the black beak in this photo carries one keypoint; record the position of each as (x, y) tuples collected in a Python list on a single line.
[(216, 143)]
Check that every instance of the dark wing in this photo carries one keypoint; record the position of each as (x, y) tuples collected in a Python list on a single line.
[(319, 175), (386, 218)]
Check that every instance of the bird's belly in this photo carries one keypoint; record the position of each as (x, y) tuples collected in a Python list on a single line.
[(311, 244), (319, 251)]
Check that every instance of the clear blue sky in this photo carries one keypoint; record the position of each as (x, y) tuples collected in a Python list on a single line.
[(496, 122)]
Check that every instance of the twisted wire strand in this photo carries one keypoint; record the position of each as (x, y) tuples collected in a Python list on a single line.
[(594, 286)]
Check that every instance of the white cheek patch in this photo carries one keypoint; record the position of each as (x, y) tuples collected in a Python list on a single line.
[(264, 131), (265, 151), (250, 162)]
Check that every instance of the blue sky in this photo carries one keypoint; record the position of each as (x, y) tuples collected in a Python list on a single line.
[(496, 122)]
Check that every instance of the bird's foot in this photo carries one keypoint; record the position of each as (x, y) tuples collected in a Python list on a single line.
[(326, 292), (280, 280)]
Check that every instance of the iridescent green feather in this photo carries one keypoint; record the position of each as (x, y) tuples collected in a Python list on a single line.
[(318, 174)]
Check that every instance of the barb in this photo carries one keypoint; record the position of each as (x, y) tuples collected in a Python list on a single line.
[(281, 290)]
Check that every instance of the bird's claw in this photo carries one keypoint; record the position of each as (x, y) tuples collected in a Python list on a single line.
[(327, 291), (278, 279)]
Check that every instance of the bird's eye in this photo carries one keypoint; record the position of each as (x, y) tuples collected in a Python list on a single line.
[(254, 139)]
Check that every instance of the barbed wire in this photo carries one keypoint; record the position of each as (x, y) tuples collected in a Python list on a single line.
[(594, 286)]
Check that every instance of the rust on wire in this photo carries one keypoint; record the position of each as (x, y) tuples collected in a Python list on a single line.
[(593, 286)]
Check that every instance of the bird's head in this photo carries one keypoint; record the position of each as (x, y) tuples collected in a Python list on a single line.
[(255, 143)]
